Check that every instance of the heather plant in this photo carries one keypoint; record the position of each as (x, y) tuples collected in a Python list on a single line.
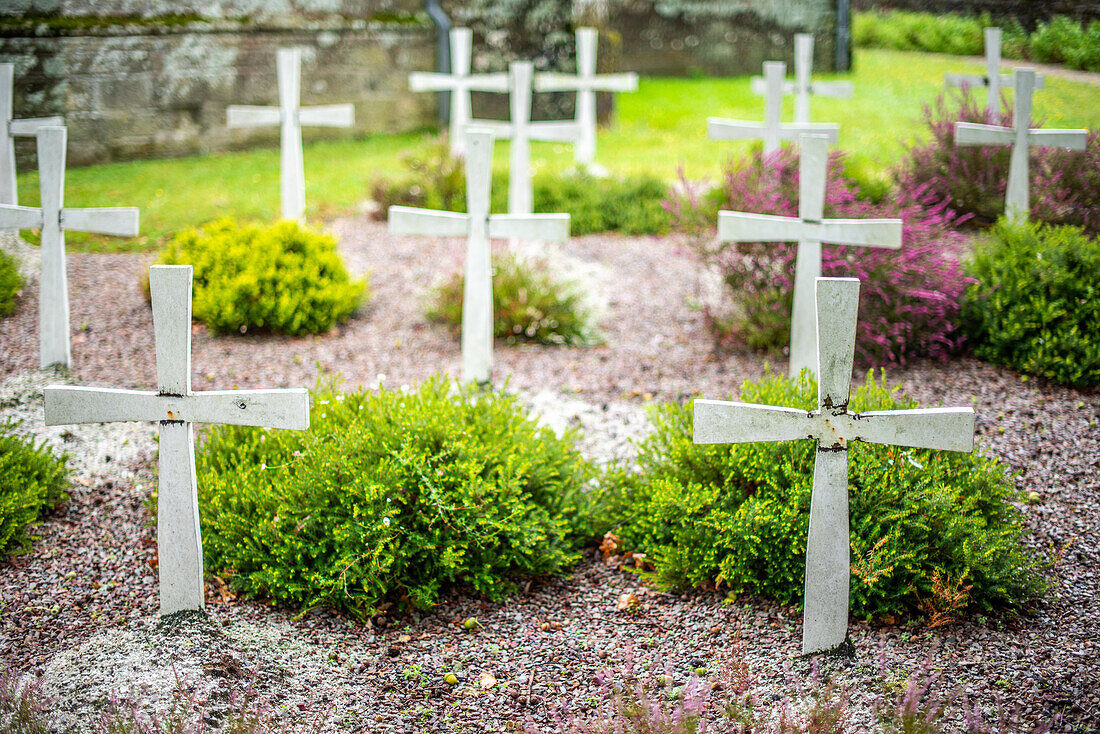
[(1034, 304), (284, 278), (530, 303), (390, 495), (909, 298), (11, 282), (24, 708), (930, 530), (971, 180), (32, 482)]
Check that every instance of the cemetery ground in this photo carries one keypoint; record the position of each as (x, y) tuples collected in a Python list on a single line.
[(80, 607)]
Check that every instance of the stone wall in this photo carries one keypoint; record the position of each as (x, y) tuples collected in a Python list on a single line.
[(132, 89)]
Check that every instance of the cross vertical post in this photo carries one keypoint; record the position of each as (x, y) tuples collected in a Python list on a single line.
[(175, 407), (832, 426), (993, 80), (774, 71), (12, 128), (521, 197)]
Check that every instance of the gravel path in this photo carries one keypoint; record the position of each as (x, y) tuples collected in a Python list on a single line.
[(80, 606)]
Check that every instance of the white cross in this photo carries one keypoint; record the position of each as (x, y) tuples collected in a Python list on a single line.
[(1020, 136), (825, 615), (809, 229), (176, 407), (586, 83), (12, 128), (803, 85), (460, 83), (993, 78), (290, 116), (772, 131), (478, 226), (521, 131), (53, 220)]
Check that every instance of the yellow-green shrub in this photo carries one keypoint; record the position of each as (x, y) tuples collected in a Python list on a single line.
[(32, 481), (282, 278)]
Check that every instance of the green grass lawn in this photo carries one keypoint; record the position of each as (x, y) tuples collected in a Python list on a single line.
[(656, 130)]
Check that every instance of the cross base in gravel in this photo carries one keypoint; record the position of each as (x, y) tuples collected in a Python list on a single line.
[(176, 407), (478, 226), (53, 219), (10, 130), (290, 116), (832, 426), (809, 229), (1019, 137)]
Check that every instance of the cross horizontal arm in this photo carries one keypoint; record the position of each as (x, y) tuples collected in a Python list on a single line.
[(544, 227), (270, 408), (120, 221), (723, 421), (965, 80), (555, 131), (552, 81), (946, 429), (759, 86), (430, 81), (19, 217), (241, 115), (745, 227), (327, 115), (722, 129), (428, 222), (28, 127), (866, 232), (975, 133), (835, 90), (1071, 139), (501, 129)]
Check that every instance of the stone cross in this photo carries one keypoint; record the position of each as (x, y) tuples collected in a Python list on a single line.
[(772, 131), (459, 83), (521, 131), (803, 86), (1020, 137), (176, 407), (54, 219), (825, 615), (478, 226), (586, 83), (290, 116), (809, 229), (993, 78), (13, 128)]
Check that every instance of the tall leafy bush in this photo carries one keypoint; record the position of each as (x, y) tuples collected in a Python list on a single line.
[(1034, 304), (394, 494), (283, 278), (32, 482), (909, 300), (737, 514)]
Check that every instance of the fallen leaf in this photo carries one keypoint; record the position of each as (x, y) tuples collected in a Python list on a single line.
[(404, 638), (487, 680), (610, 545), (628, 602)]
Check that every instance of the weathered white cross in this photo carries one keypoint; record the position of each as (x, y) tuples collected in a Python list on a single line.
[(478, 226), (825, 615), (176, 407), (772, 131), (993, 78), (586, 83), (803, 85), (809, 229), (459, 83), (522, 131), (13, 128), (290, 116), (1020, 136), (54, 219)]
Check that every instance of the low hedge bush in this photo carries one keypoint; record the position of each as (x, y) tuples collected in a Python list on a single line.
[(390, 495), (1035, 302), (283, 278), (32, 482), (11, 282), (929, 530), (1064, 184), (530, 303), (909, 300)]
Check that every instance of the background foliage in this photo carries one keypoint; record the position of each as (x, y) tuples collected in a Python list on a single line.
[(32, 482), (11, 282)]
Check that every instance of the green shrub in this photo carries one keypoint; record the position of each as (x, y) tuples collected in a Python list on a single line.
[(1036, 303), (1063, 40), (283, 278), (11, 282), (737, 514), (435, 180), (529, 304), (901, 30), (32, 482), (390, 495)]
